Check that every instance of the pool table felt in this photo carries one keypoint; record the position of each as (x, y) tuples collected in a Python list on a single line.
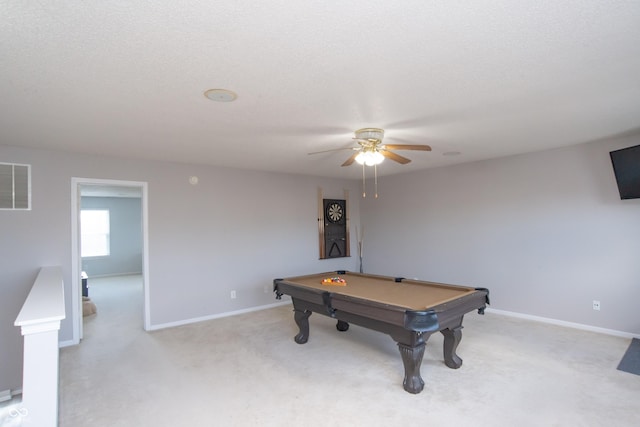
[(411, 294)]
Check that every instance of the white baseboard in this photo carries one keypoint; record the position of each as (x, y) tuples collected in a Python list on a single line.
[(563, 323), (8, 394), (488, 309), (216, 316), (67, 343)]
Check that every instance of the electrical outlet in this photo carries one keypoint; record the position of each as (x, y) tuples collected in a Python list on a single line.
[(233, 294), (596, 305)]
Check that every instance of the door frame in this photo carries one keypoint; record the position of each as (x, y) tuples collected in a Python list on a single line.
[(76, 260)]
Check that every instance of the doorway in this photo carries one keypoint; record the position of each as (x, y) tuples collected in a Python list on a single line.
[(104, 188)]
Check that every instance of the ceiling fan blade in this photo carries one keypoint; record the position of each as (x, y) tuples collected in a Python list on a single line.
[(350, 160), (407, 147), (395, 157), (334, 149)]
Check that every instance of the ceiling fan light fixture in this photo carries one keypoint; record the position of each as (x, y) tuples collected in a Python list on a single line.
[(369, 158), (370, 133), (376, 158)]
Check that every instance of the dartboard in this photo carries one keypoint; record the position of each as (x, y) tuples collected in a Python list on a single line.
[(334, 212)]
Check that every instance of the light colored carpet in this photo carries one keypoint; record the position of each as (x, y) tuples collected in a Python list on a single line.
[(247, 370)]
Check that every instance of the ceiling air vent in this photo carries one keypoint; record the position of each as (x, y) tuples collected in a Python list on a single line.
[(15, 186)]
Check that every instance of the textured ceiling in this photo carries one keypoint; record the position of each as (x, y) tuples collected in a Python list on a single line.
[(484, 78)]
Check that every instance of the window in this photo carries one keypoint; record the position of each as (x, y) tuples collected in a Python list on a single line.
[(94, 230), (15, 187)]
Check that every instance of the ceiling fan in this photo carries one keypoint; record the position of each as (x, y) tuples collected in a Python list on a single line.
[(371, 151)]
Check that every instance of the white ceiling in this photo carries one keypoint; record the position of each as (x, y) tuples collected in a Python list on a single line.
[(484, 78)]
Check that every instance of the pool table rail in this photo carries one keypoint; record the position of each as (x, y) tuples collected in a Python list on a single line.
[(329, 303)]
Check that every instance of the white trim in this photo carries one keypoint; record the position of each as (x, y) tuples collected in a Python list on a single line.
[(76, 266), (488, 310), (40, 327), (6, 395), (106, 276), (67, 343), (44, 307), (217, 316), (563, 323), (145, 257)]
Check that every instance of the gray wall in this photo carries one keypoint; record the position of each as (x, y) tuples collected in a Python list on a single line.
[(546, 232), (125, 216), (235, 230)]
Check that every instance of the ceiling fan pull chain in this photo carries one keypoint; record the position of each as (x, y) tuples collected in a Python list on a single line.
[(375, 181), (364, 193)]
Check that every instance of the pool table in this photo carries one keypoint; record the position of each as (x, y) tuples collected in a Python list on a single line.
[(407, 310)]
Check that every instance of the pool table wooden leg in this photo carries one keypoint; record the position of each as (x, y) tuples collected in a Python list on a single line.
[(452, 337), (342, 326), (302, 320), (412, 359)]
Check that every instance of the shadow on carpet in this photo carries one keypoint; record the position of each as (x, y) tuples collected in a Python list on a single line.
[(631, 360)]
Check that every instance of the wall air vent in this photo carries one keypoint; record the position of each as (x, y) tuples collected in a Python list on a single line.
[(15, 186)]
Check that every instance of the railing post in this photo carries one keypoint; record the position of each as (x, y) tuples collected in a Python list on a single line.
[(39, 321)]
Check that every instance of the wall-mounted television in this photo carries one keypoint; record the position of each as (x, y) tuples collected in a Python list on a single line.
[(626, 166)]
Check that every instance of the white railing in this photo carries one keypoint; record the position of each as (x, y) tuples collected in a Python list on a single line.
[(39, 321)]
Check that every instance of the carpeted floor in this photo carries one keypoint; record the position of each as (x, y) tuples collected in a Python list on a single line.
[(246, 370)]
